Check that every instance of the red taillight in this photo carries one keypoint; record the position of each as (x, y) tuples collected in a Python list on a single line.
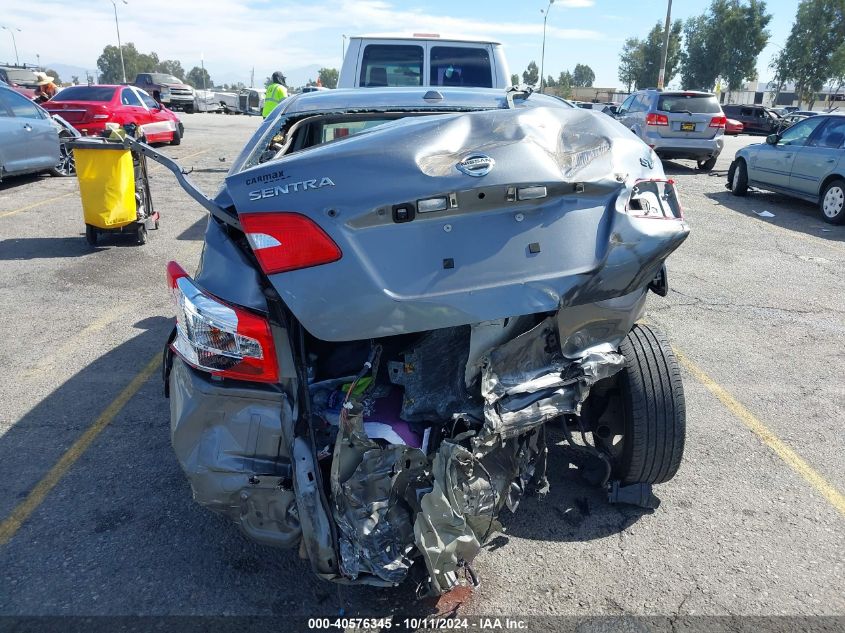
[(217, 337), (719, 122), (288, 241), (653, 118)]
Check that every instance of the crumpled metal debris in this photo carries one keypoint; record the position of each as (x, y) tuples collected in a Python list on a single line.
[(527, 381), (368, 485)]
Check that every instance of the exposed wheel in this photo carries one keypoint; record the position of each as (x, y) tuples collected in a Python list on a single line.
[(707, 165), (177, 135), (641, 424), (142, 234), (90, 235), (189, 109), (66, 165), (739, 182), (832, 202)]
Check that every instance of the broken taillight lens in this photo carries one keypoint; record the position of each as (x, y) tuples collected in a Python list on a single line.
[(655, 198), (288, 241), (217, 337)]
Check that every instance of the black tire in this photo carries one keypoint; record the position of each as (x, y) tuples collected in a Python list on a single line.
[(177, 136), (642, 427), (90, 235), (142, 235), (66, 165), (707, 165), (832, 202), (739, 182), (189, 109)]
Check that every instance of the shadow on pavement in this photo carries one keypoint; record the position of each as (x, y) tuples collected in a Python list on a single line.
[(789, 213), (195, 232), (10, 182), (44, 248)]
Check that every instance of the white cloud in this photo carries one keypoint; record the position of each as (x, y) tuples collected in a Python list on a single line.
[(237, 35)]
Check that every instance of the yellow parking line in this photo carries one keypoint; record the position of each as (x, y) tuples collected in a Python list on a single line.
[(22, 512), (36, 204), (792, 459), (202, 151)]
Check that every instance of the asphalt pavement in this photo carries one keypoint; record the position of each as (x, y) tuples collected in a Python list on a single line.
[(97, 518)]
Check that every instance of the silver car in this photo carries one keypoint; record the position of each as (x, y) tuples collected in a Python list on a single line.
[(685, 124), (29, 140), (806, 161), (400, 287)]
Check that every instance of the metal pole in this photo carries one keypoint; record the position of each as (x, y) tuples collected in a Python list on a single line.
[(119, 45), (543, 53), (202, 63), (38, 57), (14, 43), (665, 54)]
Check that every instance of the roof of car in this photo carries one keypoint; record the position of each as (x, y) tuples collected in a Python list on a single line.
[(404, 99), (426, 36)]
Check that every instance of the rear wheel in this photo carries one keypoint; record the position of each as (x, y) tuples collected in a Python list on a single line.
[(66, 165), (142, 234), (832, 202), (642, 425), (707, 165), (90, 235), (739, 182), (177, 135)]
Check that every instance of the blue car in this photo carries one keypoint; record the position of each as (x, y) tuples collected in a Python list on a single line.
[(806, 161), (29, 139)]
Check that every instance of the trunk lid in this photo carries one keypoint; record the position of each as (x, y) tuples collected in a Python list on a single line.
[(689, 115), (488, 254)]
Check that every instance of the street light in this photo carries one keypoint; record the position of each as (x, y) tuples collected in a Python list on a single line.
[(543, 54), (662, 76), (14, 44), (119, 46)]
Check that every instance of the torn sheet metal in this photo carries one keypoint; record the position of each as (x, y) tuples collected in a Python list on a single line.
[(527, 381), (368, 485)]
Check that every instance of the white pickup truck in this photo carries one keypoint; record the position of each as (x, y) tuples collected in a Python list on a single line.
[(423, 59)]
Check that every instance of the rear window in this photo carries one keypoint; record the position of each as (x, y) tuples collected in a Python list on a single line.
[(460, 66), (704, 104), (391, 65), (85, 93), (333, 131)]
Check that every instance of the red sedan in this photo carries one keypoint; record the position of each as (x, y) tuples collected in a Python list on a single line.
[(732, 126), (90, 108)]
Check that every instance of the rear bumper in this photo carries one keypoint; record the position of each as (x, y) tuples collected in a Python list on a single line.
[(227, 438), (696, 149)]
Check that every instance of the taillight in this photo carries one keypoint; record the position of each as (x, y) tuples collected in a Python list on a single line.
[(217, 337), (719, 122), (655, 198), (102, 114), (653, 118), (288, 241)]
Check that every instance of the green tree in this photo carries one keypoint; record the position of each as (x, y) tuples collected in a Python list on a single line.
[(564, 84), (531, 75), (810, 54), (550, 82), (198, 77), (55, 75), (171, 67), (652, 52), (514, 79), (328, 77), (136, 62), (725, 42), (631, 62), (583, 76)]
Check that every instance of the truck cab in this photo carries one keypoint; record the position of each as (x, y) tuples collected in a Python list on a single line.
[(423, 59)]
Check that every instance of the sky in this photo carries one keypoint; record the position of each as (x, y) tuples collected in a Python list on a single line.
[(298, 37)]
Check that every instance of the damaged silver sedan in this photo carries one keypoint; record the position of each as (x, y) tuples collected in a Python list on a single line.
[(398, 290)]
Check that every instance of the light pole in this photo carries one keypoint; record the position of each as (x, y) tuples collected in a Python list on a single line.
[(662, 76), (38, 57), (14, 43), (543, 54), (119, 46)]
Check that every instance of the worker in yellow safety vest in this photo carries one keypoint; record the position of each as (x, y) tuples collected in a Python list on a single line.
[(276, 92)]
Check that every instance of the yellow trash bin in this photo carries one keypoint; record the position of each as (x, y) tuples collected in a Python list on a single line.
[(106, 175)]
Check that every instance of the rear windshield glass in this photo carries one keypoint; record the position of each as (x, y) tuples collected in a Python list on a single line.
[(165, 79), (334, 131), (391, 65), (85, 93), (460, 66), (705, 104)]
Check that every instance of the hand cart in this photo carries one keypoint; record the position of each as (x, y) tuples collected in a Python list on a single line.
[(115, 189)]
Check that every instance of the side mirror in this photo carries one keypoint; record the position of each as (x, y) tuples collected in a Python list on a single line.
[(772, 139)]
